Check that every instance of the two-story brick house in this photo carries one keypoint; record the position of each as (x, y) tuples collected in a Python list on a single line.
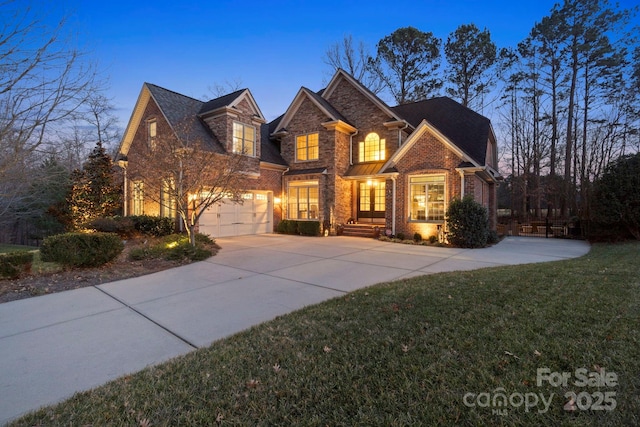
[(335, 156)]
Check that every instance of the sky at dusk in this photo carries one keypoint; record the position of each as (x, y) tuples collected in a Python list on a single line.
[(271, 47)]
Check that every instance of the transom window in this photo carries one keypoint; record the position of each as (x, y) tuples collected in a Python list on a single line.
[(302, 199), (427, 198), (307, 147), (371, 149), (244, 139)]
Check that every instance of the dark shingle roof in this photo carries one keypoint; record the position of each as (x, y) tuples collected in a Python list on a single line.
[(269, 151), (181, 113), (467, 129), (335, 114), (222, 101)]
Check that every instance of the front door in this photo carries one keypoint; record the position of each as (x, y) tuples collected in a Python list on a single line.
[(371, 200)]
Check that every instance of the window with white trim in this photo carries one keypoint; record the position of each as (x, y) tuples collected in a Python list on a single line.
[(302, 200), (371, 149), (167, 199), (244, 139), (307, 147), (137, 198), (427, 198), (152, 133)]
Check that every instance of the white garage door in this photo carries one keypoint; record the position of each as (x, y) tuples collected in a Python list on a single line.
[(225, 219)]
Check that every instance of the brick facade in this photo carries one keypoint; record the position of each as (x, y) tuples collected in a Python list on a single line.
[(343, 118)]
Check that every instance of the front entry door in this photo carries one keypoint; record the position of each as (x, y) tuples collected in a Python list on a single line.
[(371, 199)]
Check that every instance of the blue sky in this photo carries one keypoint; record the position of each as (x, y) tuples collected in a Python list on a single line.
[(271, 47)]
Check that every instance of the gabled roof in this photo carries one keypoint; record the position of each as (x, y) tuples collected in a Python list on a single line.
[(323, 105), (229, 101), (183, 113), (343, 75), (178, 110), (466, 129)]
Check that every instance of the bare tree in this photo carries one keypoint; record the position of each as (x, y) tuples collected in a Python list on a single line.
[(181, 171), (43, 83), (354, 59), (221, 89)]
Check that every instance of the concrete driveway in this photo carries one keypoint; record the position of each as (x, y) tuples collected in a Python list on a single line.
[(55, 345)]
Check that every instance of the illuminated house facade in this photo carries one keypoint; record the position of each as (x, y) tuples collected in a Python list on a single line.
[(335, 156)]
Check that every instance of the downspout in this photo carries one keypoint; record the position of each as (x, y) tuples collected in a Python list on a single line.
[(351, 147), (126, 202), (282, 192), (393, 206), (461, 184), (406, 125)]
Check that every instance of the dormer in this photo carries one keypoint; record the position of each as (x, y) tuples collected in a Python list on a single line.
[(235, 120)]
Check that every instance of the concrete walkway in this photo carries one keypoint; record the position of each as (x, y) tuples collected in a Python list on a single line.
[(55, 345)]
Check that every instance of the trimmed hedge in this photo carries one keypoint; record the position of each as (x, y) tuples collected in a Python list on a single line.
[(305, 228), (12, 264), (123, 226), (81, 249), (156, 226)]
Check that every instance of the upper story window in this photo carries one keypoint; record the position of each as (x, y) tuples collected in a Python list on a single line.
[(244, 139), (371, 149), (427, 198), (307, 147), (152, 133)]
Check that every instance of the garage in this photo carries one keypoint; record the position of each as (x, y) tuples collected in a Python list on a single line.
[(226, 218)]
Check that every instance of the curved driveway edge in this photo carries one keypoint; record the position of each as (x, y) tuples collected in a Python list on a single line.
[(54, 345)]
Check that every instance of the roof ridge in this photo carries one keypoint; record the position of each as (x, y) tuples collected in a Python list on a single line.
[(172, 91)]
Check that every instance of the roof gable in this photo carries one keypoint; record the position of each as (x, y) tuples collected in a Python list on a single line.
[(179, 111), (230, 101), (461, 126), (342, 75), (322, 104)]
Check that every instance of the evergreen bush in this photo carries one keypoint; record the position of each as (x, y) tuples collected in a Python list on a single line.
[(468, 223), (81, 249), (12, 264), (156, 226)]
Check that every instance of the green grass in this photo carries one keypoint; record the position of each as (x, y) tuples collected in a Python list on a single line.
[(405, 353), (5, 247)]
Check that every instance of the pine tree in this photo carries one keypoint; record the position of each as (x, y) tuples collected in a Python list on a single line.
[(95, 192)]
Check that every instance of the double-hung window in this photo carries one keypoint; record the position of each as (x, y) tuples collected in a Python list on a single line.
[(302, 198), (138, 198), (427, 201), (307, 147), (244, 139)]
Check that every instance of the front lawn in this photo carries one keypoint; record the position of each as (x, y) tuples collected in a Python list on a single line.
[(460, 348)]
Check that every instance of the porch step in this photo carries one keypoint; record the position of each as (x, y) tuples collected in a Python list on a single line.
[(360, 230)]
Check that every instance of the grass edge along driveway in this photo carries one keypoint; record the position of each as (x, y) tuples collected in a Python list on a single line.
[(539, 344)]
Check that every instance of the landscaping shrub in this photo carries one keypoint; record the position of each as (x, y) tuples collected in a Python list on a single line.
[(12, 264), (309, 228), (81, 249), (468, 223), (123, 226), (175, 247), (305, 228), (400, 236), (417, 237), (433, 239), (615, 201), (153, 225)]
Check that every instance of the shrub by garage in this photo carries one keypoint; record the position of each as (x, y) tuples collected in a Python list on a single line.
[(81, 249)]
